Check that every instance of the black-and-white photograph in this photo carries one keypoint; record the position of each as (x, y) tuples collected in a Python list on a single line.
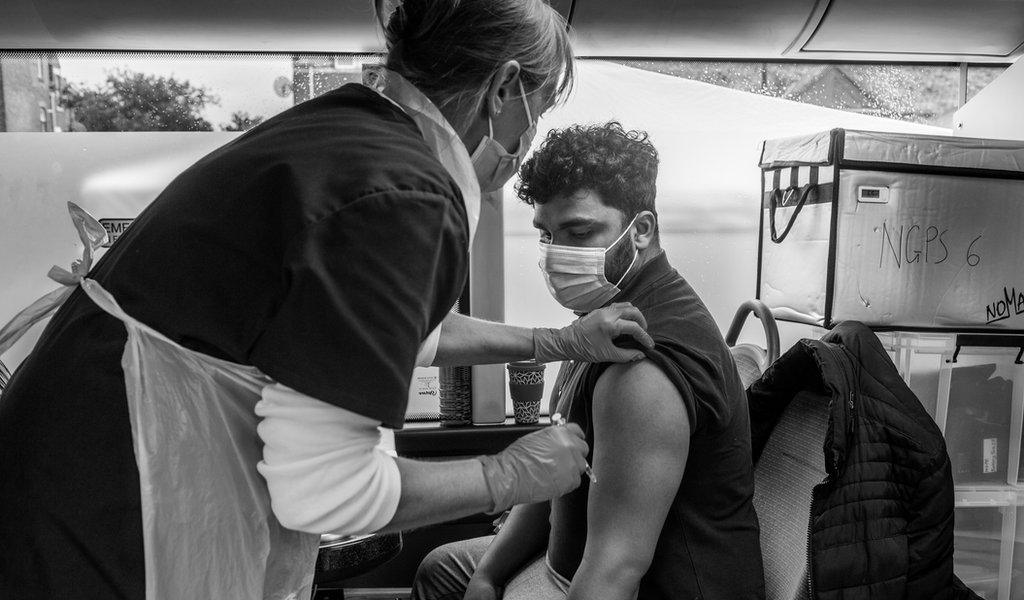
[(512, 300)]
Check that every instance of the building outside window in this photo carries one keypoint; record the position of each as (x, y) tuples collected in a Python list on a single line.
[(145, 92), (313, 75), (31, 84)]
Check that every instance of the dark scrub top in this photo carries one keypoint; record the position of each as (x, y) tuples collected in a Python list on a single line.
[(321, 247), (709, 547)]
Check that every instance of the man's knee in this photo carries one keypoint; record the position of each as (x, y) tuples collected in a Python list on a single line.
[(439, 561), (446, 570)]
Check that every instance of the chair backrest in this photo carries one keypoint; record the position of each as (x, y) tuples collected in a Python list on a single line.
[(751, 361), (791, 464)]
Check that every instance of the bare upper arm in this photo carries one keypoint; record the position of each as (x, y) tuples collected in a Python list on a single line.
[(641, 442)]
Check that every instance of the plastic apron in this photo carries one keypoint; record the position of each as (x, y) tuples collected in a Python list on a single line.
[(207, 526)]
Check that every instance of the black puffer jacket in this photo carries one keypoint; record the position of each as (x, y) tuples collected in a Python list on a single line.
[(882, 521)]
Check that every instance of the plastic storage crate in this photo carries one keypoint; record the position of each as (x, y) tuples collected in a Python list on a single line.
[(988, 548), (973, 386)]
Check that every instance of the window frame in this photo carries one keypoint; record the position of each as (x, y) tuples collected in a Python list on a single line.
[(44, 118), (489, 279)]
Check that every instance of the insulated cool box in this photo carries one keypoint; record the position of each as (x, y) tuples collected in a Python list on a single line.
[(894, 230)]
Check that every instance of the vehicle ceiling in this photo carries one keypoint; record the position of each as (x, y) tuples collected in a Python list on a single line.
[(835, 30)]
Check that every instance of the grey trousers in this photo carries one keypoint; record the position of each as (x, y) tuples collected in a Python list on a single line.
[(445, 573)]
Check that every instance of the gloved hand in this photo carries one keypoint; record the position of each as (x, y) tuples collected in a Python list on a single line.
[(589, 338), (539, 466)]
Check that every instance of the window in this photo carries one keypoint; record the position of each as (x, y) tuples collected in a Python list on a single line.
[(707, 119), (978, 76), (916, 93), (705, 124), (317, 74), (112, 176), (136, 91)]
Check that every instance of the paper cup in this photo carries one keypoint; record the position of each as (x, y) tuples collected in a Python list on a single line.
[(526, 386)]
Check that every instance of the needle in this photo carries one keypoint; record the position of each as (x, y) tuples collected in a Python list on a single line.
[(559, 421)]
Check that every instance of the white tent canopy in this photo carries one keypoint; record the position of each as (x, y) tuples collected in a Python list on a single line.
[(708, 138)]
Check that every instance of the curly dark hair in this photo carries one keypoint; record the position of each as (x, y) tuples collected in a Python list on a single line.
[(621, 166)]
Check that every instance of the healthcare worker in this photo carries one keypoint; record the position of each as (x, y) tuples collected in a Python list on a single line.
[(206, 400)]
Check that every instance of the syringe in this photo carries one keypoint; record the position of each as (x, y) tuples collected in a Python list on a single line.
[(559, 421)]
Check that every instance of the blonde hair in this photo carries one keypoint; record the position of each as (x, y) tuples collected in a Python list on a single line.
[(449, 49)]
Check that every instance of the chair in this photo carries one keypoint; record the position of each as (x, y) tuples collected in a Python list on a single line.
[(751, 360), (345, 557), (789, 467)]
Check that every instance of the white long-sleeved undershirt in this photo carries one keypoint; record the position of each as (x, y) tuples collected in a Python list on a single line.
[(323, 465), (428, 349)]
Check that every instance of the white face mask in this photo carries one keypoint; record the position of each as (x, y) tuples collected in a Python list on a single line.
[(575, 276), (493, 164)]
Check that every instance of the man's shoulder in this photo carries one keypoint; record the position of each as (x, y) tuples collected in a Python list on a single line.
[(691, 354), (637, 391), (676, 312)]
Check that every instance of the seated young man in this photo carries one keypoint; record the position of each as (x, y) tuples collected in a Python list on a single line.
[(670, 514)]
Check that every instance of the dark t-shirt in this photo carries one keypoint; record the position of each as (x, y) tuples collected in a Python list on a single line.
[(708, 547), (321, 247)]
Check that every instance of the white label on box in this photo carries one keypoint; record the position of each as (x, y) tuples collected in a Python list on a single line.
[(989, 455), (872, 194)]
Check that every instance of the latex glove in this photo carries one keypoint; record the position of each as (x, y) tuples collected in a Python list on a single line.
[(539, 466), (590, 338)]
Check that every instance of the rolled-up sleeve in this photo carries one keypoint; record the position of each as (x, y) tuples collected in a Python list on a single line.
[(428, 349), (324, 467)]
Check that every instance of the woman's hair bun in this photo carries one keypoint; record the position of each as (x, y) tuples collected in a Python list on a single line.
[(450, 49)]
